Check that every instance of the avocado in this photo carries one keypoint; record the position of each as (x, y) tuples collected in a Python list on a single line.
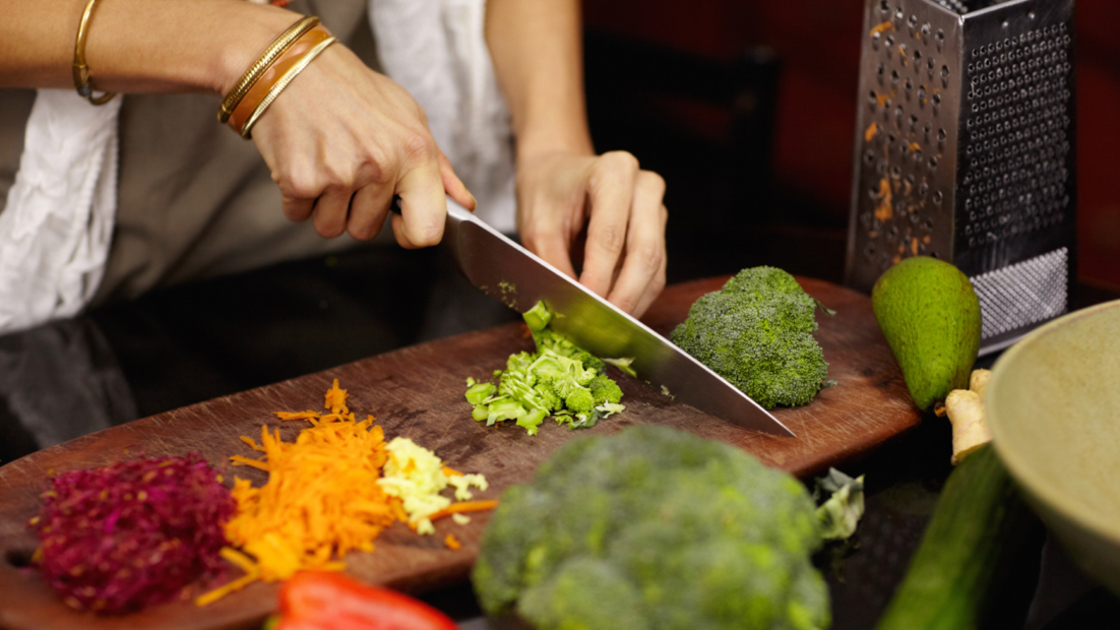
[(930, 315)]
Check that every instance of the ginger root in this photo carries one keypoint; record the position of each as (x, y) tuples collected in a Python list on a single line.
[(965, 408)]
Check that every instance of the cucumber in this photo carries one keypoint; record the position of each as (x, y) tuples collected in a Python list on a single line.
[(971, 554)]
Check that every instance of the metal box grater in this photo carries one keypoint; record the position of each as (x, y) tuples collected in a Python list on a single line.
[(965, 151)]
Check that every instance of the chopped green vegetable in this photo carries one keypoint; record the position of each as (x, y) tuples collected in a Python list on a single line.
[(623, 364), (654, 528), (560, 380), (479, 392), (537, 317), (756, 332), (841, 511)]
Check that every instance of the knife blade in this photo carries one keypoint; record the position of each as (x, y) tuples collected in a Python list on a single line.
[(519, 279)]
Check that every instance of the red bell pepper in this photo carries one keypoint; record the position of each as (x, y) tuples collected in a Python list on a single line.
[(321, 600)]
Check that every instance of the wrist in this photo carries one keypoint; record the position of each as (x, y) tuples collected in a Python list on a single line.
[(259, 26), (530, 147)]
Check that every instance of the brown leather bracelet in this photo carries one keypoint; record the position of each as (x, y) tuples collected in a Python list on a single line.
[(279, 68)]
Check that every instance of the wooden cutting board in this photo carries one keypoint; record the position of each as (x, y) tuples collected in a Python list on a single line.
[(417, 392)]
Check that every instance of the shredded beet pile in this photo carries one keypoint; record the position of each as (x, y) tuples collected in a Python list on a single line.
[(134, 534)]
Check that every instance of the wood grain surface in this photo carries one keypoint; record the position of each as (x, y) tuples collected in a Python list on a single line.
[(417, 392)]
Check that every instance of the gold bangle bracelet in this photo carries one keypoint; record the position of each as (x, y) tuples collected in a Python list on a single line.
[(269, 77), (274, 50), (81, 69), (282, 82)]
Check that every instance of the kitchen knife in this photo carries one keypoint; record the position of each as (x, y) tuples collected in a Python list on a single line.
[(512, 275)]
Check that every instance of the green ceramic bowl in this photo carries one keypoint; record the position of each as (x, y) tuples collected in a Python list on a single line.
[(1053, 404)]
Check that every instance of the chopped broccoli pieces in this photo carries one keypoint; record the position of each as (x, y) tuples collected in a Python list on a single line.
[(549, 339), (532, 420), (537, 317), (479, 392), (654, 528), (560, 379), (604, 389), (623, 364), (504, 409), (756, 332)]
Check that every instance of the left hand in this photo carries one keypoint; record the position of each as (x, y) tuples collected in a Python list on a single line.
[(558, 192)]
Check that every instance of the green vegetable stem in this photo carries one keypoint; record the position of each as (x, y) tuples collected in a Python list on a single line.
[(559, 380)]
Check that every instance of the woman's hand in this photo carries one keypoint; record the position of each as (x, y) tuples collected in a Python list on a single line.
[(341, 140), (559, 192)]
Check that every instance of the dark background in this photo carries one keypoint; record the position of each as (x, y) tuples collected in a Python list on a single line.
[(798, 180)]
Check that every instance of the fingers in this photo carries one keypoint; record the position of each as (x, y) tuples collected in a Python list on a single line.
[(643, 270), (331, 211), (368, 209), (297, 209), (342, 139), (454, 186), (611, 193), (423, 206), (552, 246)]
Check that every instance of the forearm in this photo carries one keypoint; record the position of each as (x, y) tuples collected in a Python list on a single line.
[(137, 45), (537, 51)]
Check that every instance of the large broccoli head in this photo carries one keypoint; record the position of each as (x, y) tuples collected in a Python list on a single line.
[(756, 332), (654, 528)]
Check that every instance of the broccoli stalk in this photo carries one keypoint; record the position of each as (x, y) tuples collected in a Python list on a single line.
[(559, 380), (537, 317)]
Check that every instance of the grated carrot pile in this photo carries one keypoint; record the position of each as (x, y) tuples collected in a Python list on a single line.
[(332, 490)]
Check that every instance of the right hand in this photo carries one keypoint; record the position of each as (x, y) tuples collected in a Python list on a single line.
[(341, 140)]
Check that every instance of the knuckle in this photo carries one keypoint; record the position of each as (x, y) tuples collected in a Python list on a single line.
[(657, 284), (427, 236), (418, 146), (361, 233), (626, 303), (327, 230), (620, 161), (610, 238), (653, 181), (339, 177), (614, 168), (649, 257), (376, 170), (301, 186)]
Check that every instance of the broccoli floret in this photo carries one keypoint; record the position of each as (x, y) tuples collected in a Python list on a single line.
[(580, 400), (756, 332), (654, 528), (604, 390)]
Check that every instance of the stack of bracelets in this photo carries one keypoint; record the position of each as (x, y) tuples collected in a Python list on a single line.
[(284, 58)]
